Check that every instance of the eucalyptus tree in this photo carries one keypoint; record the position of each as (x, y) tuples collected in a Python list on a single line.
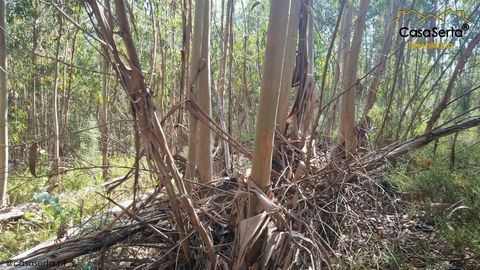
[(200, 135), (55, 122), (3, 106), (288, 65), (350, 66), (267, 110)]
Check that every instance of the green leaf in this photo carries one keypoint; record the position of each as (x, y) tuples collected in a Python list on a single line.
[(28, 215)]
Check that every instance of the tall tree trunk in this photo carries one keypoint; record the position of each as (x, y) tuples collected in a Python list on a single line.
[(267, 111), (230, 70), (225, 34), (195, 69), (33, 111), (347, 102), (377, 75), (204, 100), (347, 26), (68, 90), (3, 106), (185, 54), (104, 116), (55, 126), (288, 66)]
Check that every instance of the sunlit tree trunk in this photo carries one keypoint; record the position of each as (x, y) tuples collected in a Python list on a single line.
[(347, 102), (204, 99), (3, 107), (56, 146), (195, 66), (267, 111), (343, 112)]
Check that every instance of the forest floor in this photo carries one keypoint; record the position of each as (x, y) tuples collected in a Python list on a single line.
[(420, 213)]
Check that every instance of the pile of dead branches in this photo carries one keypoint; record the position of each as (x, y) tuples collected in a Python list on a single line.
[(318, 218)]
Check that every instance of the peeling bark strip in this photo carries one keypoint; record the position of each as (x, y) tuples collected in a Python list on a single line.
[(158, 155)]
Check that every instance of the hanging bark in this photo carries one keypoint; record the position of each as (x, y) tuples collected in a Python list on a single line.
[(272, 74), (301, 71), (347, 102), (3, 106), (288, 66)]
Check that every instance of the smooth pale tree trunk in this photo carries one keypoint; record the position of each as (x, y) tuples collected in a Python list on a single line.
[(342, 122), (56, 146), (288, 66), (33, 111), (267, 111), (204, 154), (347, 102), (196, 64), (3, 107), (225, 33)]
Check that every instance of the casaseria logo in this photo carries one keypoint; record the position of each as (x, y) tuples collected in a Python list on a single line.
[(447, 29)]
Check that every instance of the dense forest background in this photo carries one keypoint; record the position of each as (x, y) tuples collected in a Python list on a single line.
[(362, 145)]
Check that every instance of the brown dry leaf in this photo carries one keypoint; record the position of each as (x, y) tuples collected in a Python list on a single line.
[(32, 159), (248, 233)]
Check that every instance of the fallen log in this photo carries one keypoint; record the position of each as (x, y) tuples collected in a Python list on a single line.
[(426, 138), (59, 254)]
